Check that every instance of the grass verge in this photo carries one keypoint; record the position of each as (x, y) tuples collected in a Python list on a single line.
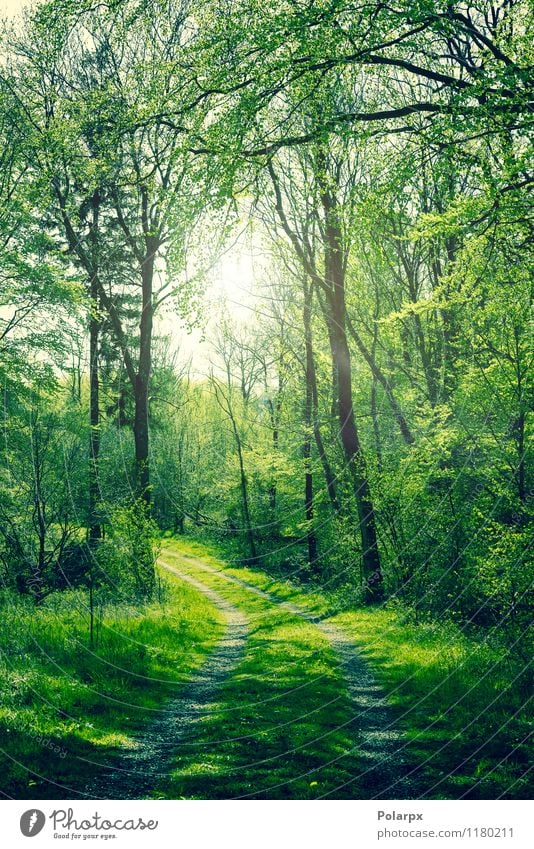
[(461, 702), (65, 707)]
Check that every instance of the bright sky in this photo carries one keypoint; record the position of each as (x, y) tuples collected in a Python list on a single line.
[(11, 7), (232, 281)]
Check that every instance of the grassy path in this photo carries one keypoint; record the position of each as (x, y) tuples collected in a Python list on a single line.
[(300, 717), (232, 684)]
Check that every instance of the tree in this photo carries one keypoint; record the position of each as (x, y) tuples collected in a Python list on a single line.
[(452, 70), (124, 190), (331, 284), (224, 391)]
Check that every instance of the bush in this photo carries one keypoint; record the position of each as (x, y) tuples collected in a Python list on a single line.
[(126, 557)]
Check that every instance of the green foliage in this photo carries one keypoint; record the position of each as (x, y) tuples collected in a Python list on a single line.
[(383, 379), (41, 450), (125, 559)]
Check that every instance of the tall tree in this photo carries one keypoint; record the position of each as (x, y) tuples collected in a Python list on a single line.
[(330, 281)]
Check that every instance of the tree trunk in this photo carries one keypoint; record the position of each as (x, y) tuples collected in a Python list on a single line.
[(244, 496), (225, 402), (36, 582), (379, 376), (450, 324), (330, 326), (141, 439), (518, 426), (376, 427), (311, 381), (142, 378), (519, 430), (374, 387), (335, 282), (308, 504), (308, 427), (274, 415), (95, 531)]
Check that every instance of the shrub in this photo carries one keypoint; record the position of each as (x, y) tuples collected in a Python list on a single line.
[(126, 557)]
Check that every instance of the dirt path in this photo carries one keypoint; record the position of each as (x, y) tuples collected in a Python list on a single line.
[(377, 743), (376, 740), (141, 769)]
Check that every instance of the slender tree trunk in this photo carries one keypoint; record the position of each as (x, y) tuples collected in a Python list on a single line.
[(518, 427), (379, 377), (179, 513), (308, 428), (376, 426), (331, 329), (91, 615), (275, 415), (449, 323), (450, 319), (430, 368), (308, 503), (311, 379), (325, 462), (374, 387), (335, 281), (95, 531), (141, 439), (244, 494), (225, 402), (36, 582), (142, 378)]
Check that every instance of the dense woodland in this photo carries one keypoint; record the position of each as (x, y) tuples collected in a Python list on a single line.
[(364, 425)]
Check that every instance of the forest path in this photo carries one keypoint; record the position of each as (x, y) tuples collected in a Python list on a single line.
[(379, 743), (285, 697)]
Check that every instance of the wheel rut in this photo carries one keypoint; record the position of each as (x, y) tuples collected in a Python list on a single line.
[(141, 769), (377, 742)]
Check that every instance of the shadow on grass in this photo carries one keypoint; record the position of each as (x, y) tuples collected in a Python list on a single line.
[(460, 703), (65, 709)]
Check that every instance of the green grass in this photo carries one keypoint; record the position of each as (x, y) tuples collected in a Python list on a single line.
[(64, 707), (281, 716), (464, 711), (462, 702)]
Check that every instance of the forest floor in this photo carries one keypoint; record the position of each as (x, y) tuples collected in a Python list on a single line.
[(285, 707), (265, 690)]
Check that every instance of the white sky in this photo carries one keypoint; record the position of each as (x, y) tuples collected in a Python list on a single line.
[(232, 282), (11, 7)]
